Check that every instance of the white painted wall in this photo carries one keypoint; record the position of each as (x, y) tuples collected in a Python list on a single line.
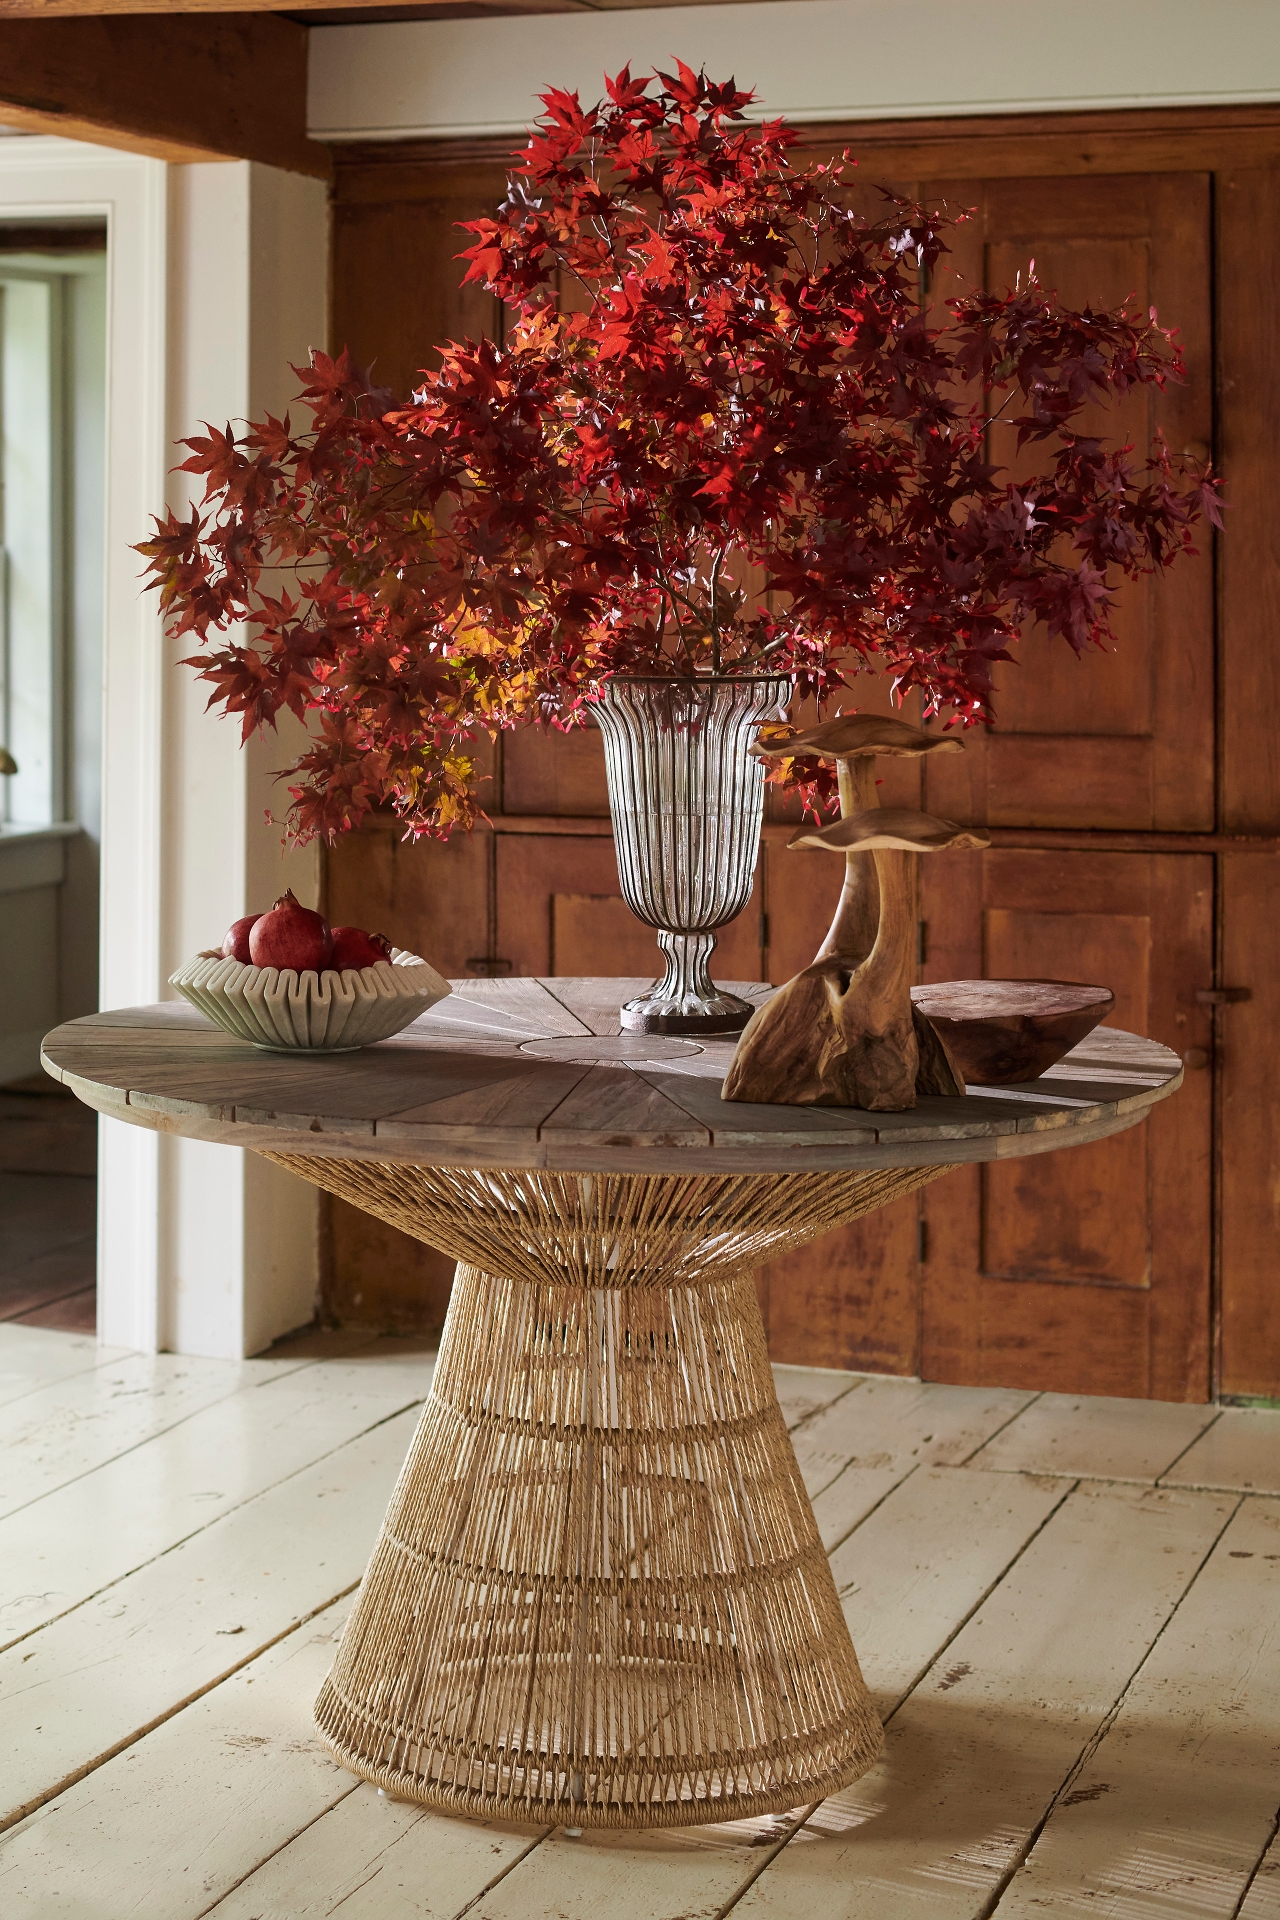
[(247, 289), (216, 278), (808, 59)]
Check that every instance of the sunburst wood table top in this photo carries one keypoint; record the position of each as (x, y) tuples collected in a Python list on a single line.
[(537, 1073)]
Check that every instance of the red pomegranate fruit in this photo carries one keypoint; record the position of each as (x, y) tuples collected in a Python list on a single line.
[(291, 936), (353, 947), (236, 944)]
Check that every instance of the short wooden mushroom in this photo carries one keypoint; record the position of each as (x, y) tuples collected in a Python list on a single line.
[(844, 1032)]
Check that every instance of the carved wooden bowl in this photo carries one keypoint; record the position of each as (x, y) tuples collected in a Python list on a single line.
[(1000, 1032)]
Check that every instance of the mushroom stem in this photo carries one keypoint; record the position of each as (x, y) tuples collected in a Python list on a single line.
[(852, 933), (888, 974)]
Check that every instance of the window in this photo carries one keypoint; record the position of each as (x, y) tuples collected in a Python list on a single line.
[(52, 469)]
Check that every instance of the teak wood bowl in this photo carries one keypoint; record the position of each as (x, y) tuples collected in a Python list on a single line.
[(1001, 1032)]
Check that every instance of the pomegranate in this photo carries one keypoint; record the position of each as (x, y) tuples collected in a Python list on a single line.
[(291, 936), (236, 944), (353, 947)]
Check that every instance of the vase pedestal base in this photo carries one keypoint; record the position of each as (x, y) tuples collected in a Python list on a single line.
[(723, 1013)]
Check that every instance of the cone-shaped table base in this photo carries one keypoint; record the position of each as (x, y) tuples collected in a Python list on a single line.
[(599, 1597)]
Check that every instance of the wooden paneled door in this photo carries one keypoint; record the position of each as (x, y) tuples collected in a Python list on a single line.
[(1133, 796), (1089, 1271), (1124, 739), (1084, 1271)]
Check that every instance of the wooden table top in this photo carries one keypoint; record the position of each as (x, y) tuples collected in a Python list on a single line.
[(537, 1073)]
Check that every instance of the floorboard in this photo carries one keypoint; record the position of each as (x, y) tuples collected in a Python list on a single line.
[(804, 1390), (31, 1359), (1262, 1901), (371, 1858), (71, 1426), (911, 1575), (48, 1207), (1241, 1449), (1096, 1439), (899, 1424), (75, 1312)]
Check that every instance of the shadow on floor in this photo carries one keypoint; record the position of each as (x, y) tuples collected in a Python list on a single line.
[(48, 1207)]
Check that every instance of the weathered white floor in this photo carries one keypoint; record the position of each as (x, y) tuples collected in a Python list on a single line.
[(1067, 1610)]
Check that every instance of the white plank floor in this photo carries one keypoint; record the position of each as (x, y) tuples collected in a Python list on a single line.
[(1068, 1611)]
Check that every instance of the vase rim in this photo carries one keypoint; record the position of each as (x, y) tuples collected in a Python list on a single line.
[(690, 679)]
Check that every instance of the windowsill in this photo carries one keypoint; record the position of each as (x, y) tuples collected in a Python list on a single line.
[(32, 857), (29, 836)]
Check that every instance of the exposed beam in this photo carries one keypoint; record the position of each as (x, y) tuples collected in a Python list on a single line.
[(46, 9), (180, 88)]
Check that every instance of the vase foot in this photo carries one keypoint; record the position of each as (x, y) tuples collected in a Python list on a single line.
[(687, 1014)]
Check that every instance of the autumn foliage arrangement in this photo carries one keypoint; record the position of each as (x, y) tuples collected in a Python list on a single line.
[(718, 375)]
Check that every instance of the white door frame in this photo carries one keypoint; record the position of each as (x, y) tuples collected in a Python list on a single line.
[(216, 279), (62, 179)]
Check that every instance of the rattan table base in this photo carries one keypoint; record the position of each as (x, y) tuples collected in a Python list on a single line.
[(599, 1598)]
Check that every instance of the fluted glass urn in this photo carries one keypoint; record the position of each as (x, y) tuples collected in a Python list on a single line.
[(687, 799)]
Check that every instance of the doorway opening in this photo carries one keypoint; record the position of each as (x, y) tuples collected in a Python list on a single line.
[(53, 347)]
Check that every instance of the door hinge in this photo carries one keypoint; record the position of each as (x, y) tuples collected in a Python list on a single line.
[(1222, 996), (489, 969), (922, 1241), (922, 942)]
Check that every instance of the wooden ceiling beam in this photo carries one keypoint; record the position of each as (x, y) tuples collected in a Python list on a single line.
[(45, 9), (181, 87)]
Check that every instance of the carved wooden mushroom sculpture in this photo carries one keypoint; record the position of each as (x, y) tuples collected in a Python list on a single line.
[(844, 1032)]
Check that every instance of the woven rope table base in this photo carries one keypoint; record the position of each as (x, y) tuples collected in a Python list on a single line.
[(599, 1598)]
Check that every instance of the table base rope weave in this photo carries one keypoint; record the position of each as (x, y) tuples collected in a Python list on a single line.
[(599, 1598)]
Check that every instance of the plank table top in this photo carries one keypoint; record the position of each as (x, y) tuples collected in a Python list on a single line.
[(528, 1073)]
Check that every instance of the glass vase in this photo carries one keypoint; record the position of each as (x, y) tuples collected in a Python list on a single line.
[(687, 799)]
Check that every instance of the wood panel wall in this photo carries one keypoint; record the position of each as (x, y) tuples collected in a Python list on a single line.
[(1195, 874)]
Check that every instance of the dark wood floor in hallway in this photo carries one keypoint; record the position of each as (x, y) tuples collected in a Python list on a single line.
[(48, 1207)]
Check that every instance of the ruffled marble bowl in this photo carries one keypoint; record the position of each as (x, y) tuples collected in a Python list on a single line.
[(328, 1012)]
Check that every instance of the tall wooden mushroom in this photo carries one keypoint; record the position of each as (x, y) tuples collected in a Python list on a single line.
[(844, 1032)]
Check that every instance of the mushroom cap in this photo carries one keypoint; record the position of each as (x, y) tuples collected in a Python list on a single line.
[(886, 828), (852, 734)]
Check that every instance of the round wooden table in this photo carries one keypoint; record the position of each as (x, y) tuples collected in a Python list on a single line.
[(599, 1597)]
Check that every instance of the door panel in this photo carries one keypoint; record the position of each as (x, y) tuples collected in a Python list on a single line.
[(1088, 1269), (597, 933), (1125, 738), (1250, 1129), (851, 1299), (397, 281), (548, 772), (560, 911), (431, 896)]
